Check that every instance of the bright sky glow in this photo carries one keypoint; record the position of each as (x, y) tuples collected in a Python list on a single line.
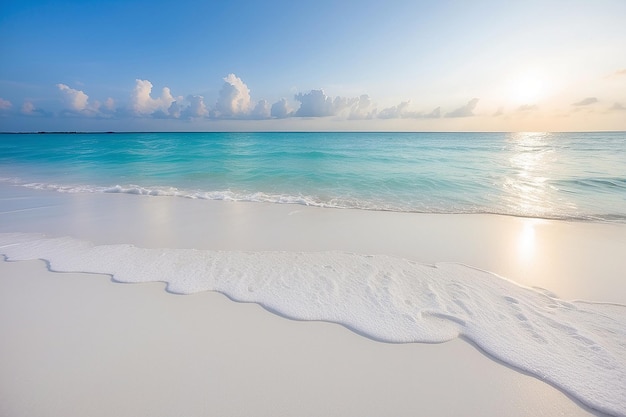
[(95, 65), (527, 88)]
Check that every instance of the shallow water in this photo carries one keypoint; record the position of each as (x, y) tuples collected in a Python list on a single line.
[(546, 175)]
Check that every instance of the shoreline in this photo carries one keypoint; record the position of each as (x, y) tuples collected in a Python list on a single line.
[(555, 255), (309, 202), (558, 256)]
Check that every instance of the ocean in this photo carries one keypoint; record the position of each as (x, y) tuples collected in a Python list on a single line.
[(577, 346), (544, 175)]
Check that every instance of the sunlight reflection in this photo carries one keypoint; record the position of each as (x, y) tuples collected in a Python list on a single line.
[(526, 242), (527, 186)]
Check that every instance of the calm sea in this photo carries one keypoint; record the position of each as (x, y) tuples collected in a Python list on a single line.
[(548, 175)]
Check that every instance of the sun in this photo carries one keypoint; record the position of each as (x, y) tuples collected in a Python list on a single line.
[(526, 88)]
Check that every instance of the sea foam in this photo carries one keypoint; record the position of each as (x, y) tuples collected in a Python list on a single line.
[(577, 346)]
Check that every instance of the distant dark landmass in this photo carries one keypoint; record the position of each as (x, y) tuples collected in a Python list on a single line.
[(53, 133)]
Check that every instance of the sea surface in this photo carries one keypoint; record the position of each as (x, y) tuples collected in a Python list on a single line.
[(577, 346), (546, 175)]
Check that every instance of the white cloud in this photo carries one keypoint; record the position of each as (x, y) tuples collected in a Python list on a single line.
[(142, 102), (586, 101), (361, 109), (29, 109), (314, 104), (109, 104), (527, 108), (5, 104), (281, 109), (401, 111), (76, 100), (342, 103), (234, 102), (174, 110), (234, 98), (464, 111), (395, 112), (262, 110), (435, 114), (197, 108)]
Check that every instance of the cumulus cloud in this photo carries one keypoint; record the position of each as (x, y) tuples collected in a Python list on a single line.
[(78, 102), (618, 107), (362, 108), (109, 104), (435, 114), (197, 108), (314, 104), (396, 112), (173, 111), (262, 110), (281, 109), (342, 103), (586, 101), (234, 98), (75, 100), (234, 102), (29, 109), (464, 111), (142, 102), (5, 104), (528, 108), (401, 111)]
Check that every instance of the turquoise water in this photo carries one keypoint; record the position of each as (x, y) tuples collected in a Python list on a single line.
[(548, 175)]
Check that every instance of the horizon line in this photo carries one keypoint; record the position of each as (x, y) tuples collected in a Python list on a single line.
[(104, 132)]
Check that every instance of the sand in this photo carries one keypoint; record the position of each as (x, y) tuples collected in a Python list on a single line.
[(79, 344)]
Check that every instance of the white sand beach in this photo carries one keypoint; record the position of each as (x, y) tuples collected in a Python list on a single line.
[(79, 344)]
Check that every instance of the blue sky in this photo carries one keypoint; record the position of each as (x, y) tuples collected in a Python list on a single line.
[(324, 65)]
